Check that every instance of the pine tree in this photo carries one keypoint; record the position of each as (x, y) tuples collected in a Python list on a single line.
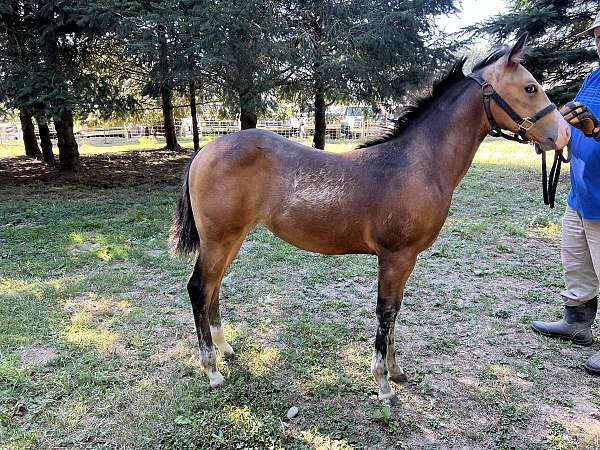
[(149, 49), (369, 51), (241, 52), (29, 139), (559, 57), (47, 57)]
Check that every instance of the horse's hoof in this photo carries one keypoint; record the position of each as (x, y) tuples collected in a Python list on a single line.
[(216, 380), (394, 400), (385, 395), (399, 378), (228, 353)]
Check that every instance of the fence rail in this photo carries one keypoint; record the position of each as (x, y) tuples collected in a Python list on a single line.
[(110, 135)]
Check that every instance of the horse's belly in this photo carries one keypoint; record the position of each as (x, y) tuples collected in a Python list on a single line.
[(318, 231)]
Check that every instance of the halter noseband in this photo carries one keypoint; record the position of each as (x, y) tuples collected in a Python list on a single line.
[(549, 185), (524, 123)]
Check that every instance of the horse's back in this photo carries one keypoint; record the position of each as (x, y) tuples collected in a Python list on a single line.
[(238, 147), (261, 159)]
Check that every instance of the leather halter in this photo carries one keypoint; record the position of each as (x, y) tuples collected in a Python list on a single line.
[(549, 185), (524, 123)]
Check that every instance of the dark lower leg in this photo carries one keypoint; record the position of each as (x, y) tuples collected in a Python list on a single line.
[(216, 330), (386, 314), (394, 270), (198, 296)]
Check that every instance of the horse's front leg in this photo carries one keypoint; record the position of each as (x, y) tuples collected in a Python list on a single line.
[(394, 270)]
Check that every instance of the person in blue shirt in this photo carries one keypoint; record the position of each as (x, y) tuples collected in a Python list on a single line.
[(580, 246)]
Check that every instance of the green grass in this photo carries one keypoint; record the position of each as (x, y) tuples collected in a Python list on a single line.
[(87, 288), (15, 148)]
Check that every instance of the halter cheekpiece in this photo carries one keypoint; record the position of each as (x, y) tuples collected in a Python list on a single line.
[(549, 185)]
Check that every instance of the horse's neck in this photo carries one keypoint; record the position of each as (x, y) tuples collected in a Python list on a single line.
[(456, 128)]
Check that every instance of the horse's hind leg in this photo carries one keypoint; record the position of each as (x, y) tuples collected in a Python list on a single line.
[(394, 271), (197, 289), (203, 288), (214, 314)]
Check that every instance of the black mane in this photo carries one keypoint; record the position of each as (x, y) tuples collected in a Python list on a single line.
[(421, 103)]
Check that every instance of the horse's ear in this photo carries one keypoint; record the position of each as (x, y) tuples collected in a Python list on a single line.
[(517, 52)]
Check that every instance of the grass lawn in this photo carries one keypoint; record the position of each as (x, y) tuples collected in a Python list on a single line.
[(98, 349), (15, 148)]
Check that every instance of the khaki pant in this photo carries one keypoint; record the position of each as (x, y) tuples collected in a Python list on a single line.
[(580, 254)]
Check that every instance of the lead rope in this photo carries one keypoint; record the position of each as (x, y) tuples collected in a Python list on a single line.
[(550, 184)]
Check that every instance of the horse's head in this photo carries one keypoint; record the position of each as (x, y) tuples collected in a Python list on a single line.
[(524, 95)]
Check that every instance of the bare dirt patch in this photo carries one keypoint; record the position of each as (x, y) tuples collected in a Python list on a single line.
[(181, 351), (86, 247), (157, 167), (38, 354), (96, 305)]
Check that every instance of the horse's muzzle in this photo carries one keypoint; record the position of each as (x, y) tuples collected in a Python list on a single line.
[(564, 135)]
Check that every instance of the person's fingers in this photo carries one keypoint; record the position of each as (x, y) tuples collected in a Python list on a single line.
[(572, 109), (573, 113), (582, 115), (577, 117), (586, 125), (576, 105)]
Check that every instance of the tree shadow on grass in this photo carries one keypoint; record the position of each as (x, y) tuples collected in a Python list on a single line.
[(157, 167)]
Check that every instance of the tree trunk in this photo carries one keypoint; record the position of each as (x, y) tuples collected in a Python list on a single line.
[(31, 145), (169, 122), (320, 123), (68, 153), (247, 118), (166, 94), (45, 141), (194, 116)]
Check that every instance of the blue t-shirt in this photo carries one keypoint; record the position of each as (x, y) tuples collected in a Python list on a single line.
[(584, 196)]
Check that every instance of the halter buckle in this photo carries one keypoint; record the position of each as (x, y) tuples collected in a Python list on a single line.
[(488, 89), (527, 124)]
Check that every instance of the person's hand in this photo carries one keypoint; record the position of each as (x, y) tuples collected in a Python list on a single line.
[(582, 118)]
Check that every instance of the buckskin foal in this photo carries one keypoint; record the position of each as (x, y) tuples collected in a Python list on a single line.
[(389, 197)]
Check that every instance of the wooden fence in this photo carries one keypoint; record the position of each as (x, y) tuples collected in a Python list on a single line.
[(128, 133)]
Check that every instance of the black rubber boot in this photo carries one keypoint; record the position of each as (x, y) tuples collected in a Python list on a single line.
[(576, 325), (593, 364)]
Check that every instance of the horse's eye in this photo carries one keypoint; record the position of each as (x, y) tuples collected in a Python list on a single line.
[(531, 89)]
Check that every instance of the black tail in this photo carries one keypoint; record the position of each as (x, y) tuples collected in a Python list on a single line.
[(183, 238)]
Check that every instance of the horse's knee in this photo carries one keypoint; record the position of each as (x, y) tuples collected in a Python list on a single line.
[(194, 285), (194, 288)]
